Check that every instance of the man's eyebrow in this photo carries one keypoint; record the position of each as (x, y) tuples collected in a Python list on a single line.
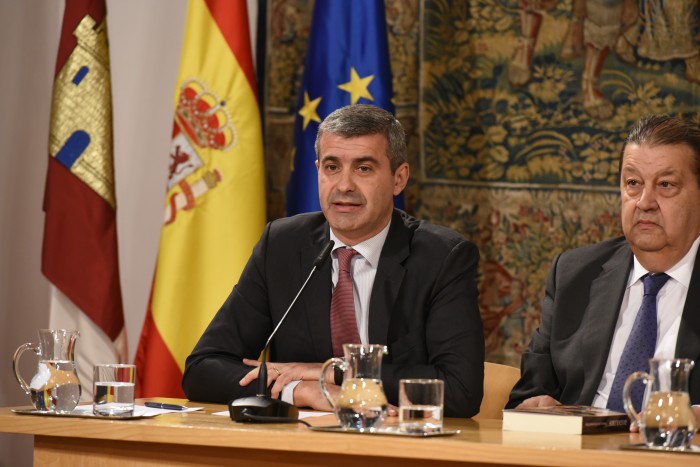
[(359, 160), (363, 159), (329, 158), (663, 173), (670, 171)]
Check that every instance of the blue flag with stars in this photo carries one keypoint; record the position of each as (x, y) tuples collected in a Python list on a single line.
[(347, 62)]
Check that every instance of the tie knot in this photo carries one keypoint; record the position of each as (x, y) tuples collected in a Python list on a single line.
[(654, 282), (345, 256)]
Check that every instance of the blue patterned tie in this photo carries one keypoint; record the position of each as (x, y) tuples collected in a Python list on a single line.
[(640, 345)]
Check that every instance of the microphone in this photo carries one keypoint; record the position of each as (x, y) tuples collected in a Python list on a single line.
[(262, 407)]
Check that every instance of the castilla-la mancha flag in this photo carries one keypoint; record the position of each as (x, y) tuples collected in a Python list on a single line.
[(79, 254), (215, 204)]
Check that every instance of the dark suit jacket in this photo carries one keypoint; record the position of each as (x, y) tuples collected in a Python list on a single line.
[(567, 356), (423, 307)]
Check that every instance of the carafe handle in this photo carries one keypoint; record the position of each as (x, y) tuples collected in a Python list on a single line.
[(626, 399), (330, 363), (15, 363)]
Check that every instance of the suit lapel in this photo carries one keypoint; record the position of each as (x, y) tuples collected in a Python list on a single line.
[(317, 296), (387, 282), (688, 343), (601, 315)]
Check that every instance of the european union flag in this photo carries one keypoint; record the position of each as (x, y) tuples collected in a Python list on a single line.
[(347, 62)]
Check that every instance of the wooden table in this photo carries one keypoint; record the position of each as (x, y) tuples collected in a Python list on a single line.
[(200, 438)]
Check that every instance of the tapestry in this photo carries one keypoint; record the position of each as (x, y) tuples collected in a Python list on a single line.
[(516, 111)]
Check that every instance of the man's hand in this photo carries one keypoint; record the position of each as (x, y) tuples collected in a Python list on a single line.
[(308, 394), (284, 373), (538, 401)]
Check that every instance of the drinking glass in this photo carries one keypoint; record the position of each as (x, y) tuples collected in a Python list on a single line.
[(420, 405), (113, 388)]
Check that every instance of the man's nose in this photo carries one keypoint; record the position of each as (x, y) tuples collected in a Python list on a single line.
[(647, 200), (346, 181)]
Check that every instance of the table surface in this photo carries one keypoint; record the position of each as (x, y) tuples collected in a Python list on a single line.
[(478, 441)]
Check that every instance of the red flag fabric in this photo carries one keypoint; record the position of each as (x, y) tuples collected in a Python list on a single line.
[(80, 256)]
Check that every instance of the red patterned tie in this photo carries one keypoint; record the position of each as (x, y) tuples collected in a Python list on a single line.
[(343, 321)]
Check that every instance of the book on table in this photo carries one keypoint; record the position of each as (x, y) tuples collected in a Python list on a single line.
[(565, 419)]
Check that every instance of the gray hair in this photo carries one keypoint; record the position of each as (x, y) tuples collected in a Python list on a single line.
[(362, 120), (660, 130)]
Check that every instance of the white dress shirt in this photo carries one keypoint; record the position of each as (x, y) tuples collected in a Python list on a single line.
[(363, 270), (670, 303)]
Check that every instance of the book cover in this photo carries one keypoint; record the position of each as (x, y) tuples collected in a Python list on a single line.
[(566, 419)]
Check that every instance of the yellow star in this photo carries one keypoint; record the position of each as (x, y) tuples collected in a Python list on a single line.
[(308, 111), (357, 87)]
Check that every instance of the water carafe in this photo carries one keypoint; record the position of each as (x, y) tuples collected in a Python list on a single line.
[(55, 388), (362, 403), (666, 420)]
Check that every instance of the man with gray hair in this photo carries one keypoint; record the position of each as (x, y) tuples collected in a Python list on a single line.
[(413, 285)]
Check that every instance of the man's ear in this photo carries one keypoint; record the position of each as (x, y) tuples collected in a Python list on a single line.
[(401, 178)]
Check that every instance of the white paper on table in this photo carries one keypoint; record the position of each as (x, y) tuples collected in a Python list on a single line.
[(139, 410), (306, 414)]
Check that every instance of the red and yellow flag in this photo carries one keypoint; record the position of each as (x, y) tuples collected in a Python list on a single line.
[(79, 254), (215, 203)]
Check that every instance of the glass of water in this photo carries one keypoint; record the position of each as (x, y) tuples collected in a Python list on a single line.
[(420, 405), (113, 390)]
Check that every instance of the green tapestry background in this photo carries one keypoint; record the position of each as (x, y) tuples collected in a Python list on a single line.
[(520, 157)]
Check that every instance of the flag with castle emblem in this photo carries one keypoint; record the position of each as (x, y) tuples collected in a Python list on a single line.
[(347, 62), (79, 254), (215, 203)]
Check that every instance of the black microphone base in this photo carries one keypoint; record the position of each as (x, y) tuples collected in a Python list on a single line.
[(262, 409)]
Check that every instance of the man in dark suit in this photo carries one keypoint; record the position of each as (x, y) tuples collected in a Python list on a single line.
[(593, 293), (414, 284)]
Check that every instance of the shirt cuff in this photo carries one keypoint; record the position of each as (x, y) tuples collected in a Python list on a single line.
[(288, 392)]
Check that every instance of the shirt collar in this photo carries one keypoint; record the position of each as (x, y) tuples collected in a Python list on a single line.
[(370, 249), (680, 272)]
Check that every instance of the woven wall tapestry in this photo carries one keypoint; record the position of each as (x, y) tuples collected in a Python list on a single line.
[(516, 112)]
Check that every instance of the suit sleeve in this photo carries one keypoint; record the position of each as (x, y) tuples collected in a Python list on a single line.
[(453, 336), (239, 330), (538, 376)]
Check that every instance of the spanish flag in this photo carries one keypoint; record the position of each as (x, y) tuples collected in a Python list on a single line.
[(214, 209)]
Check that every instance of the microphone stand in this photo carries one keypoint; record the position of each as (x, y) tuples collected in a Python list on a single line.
[(261, 407)]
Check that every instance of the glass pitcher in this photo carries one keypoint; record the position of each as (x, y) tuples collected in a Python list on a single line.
[(362, 403), (666, 420), (55, 388)]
